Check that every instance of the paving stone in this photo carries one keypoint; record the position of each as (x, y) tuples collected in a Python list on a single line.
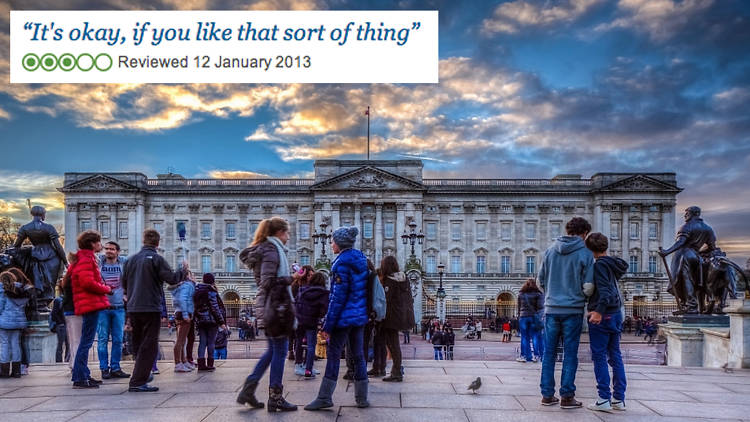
[(54, 416), (240, 414), (6, 390), (411, 387), (346, 398), (521, 416), (684, 386), (66, 390), (446, 401), (406, 415), (184, 414), (719, 397), (201, 400), (121, 401), (699, 410), (20, 403), (534, 404), (625, 417)]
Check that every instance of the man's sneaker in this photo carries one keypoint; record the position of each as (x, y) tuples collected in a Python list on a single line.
[(94, 381), (105, 374), (84, 384), (309, 375), (570, 403), (119, 374), (181, 368), (618, 405), (521, 359), (535, 359), (155, 371), (299, 370), (316, 372), (550, 401), (601, 405)]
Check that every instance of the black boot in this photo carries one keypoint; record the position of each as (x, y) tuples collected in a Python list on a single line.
[(247, 395), (5, 370), (15, 369), (202, 364), (276, 401), (210, 364)]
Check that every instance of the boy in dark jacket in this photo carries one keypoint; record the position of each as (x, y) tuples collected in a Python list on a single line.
[(312, 305), (605, 326), (222, 340), (437, 343)]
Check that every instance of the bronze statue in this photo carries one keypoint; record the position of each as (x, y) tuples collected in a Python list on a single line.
[(45, 260), (701, 277)]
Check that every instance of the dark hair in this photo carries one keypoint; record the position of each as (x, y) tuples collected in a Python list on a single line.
[(151, 237), (529, 286), (113, 243), (20, 276), (388, 266), (87, 239), (318, 279), (577, 226), (597, 242), (8, 279)]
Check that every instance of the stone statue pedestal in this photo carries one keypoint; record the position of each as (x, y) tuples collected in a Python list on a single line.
[(40, 343), (685, 338), (739, 333)]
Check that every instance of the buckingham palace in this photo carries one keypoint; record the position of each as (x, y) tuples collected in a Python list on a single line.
[(486, 235)]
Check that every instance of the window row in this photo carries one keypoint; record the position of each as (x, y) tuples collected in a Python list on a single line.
[(103, 227), (634, 230), (456, 264)]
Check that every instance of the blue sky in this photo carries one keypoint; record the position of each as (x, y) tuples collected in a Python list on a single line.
[(527, 89)]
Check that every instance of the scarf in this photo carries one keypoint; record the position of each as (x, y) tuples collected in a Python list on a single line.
[(283, 270)]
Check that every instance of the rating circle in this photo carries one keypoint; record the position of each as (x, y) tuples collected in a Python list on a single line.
[(106, 57), (30, 62), (82, 61), (67, 62), (48, 62)]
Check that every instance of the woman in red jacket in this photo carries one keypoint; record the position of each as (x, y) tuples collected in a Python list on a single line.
[(89, 297)]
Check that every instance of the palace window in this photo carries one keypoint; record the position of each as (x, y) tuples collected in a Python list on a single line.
[(654, 208), (304, 230), (505, 264), (431, 231), (104, 228), (505, 208), (389, 230), (157, 227), (456, 287), (122, 229), (85, 225), (304, 259), (556, 210), (635, 230), (456, 209), (179, 260), (253, 228), (456, 263), (653, 230), (206, 263), (431, 263), (481, 231), (530, 231), (555, 230), (481, 264), (456, 231), (505, 231), (231, 232), (531, 264), (652, 264), (633, 268), (205, 230), (614, 230), (231, 263), (367, 229)]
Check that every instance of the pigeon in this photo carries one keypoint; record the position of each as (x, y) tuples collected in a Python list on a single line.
[(474, 386), (727, 369)]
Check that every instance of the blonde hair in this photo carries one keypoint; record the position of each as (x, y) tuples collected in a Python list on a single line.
[(269, 227)]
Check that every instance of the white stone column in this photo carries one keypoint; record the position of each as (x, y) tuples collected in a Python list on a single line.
[(400, 227), (739, 333), (71, 226), (140, 224), (419, 249), (378, 232), (358, 225), (668, 230), (113, 222), (598, 220), (335, 215), (132, 228), (606, 221), (644, 237), (626, 232)]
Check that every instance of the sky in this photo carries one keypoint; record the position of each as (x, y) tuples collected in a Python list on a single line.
[(528, 89)]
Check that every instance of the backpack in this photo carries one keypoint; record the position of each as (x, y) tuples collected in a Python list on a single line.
[(378, 300)]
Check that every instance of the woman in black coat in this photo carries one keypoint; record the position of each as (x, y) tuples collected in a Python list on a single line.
[(208, 318), (312, 305), (399, 315)]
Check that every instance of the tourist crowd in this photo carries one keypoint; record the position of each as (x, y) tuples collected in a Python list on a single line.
[(122, 302)]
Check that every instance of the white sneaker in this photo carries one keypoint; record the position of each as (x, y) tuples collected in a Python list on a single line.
[(188, 365), (181, 368), (299, 370), (24, 369), (618, 405), (601, 406), (316, 372), (535, 359), (521, 359)]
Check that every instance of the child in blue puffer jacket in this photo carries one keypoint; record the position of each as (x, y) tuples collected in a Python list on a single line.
[(14, 295)]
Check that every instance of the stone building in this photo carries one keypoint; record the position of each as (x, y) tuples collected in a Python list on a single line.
[(489, 234)]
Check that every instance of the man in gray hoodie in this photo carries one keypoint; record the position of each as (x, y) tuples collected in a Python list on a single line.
[(566, 271)]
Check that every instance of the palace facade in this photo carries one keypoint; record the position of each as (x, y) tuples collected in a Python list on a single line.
[(489, 234)]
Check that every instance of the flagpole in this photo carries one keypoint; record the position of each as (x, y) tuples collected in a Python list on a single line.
[(368, 133)]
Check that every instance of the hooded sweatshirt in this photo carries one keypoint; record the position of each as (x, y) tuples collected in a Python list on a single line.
[(606, 298), (399, 302), (566, 267)]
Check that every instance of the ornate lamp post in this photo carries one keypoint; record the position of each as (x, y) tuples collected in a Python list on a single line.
[(322, 237), (441, 295), (411, 238)]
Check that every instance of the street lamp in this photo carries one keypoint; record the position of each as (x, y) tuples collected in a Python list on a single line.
[(412, 236), (322, 237), (441, 294)]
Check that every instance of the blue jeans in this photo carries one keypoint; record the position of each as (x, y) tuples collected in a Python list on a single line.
[(340, 336), (568, 327), (111, 323), (438, 352), (10, 345), (275, 356), (220, 353), (526, 324), (207, 341), (312, 341), (88, 332), (605, 346)]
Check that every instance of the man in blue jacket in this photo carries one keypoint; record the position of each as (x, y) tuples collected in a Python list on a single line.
[(346, 318), (566, 267)]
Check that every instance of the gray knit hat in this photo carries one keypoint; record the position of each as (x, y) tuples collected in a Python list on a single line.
[(345, 236)]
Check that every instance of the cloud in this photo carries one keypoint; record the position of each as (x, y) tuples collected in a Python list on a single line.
[(4, 114), (514, 16), (661, 20), (236, 174)]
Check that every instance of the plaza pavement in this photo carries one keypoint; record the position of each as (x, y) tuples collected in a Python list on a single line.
[(432, 391)]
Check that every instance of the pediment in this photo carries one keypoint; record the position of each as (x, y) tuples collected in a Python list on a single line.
[(639, 183), (368, 178), (99, 183)]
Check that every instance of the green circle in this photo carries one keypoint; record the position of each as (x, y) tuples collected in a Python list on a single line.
[(78, 62), (96, 60), (67, 62), (49, 62), (30, 62)]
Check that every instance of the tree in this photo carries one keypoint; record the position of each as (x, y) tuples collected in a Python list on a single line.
[(8, 230)]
